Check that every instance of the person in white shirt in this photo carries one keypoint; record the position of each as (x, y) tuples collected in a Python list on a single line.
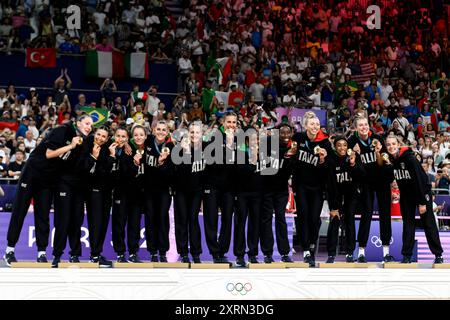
[(290, 98), (152, 102), (316, 98), (288, 74), (342, 71), (99, 17), (402, 121), (248, 48), (3, 98), (29, 141), (184, 69), (386, 89), (33, 129)]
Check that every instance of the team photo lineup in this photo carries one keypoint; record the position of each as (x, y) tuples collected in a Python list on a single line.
[(280, 106)]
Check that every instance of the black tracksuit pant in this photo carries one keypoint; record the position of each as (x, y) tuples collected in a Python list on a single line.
[(408, 209), (248, 204), (157, 205), (126, 219), (187, 228), (347, 217), (98, 213), (212, 200), (383, 191), (274, 201), (27, 190), (309, 204), (69, 216)]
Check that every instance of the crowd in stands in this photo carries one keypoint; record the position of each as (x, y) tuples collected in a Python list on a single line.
[(291, 54)]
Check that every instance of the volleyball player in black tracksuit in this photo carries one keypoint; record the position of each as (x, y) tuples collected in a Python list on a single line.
[(134, 195), (72, 192), (279, 166), (99, 193), (309, 183), (37, 182), (188, 195), (123, 176), (415, 191), (218, 193), (346, 176), (378, 181), (158, 175), (248, 201)]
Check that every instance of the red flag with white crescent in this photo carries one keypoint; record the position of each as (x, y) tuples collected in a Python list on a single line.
[(40, 58)]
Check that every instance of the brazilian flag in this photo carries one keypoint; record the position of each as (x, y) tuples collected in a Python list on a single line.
[(99, 116)]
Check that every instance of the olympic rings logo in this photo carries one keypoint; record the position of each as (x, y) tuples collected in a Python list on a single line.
[(377, 241), (239, 288)]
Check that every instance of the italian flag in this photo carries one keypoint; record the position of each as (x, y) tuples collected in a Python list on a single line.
[(104, 64), (136, 65), (223, 66), (139, 96)]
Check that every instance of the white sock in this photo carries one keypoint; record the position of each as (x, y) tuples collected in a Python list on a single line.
[(305, 253), (9, 249), (41, 253), (362, 251), (385, 250)]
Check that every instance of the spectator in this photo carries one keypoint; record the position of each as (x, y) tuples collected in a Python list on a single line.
[(108, 88), (15, 167), (61, 89), (23, 128), (30, 142)]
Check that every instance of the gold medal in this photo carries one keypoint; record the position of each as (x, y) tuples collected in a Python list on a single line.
[(385, 156), (375, 142), (140, 151), (166, 150), (316, 150), (294, 145), (80, 142)]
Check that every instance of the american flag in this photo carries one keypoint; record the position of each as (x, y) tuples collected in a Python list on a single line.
[(367, 72)]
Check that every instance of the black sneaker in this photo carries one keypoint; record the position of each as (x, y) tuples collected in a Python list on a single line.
[(74, 259), (362, 259), (196, 258), (224, 259), (163, 258), (308, 259), (42, 258), (406, 259), (55, 262), (286, 258), (104, 263), (240, 262), (134, 258), (312, 252), (349, 258), (268, 259), (217, 259), (388, 258), (121, 259), (185, 259), (101, 260), (9, 258), (154, 258), (330, 259), (253, 259), (439, 260)]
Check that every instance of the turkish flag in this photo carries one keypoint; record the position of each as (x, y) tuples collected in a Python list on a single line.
[(40, 58)]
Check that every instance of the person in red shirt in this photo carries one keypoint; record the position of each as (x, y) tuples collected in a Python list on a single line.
[(378, 126), (395, 196)]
